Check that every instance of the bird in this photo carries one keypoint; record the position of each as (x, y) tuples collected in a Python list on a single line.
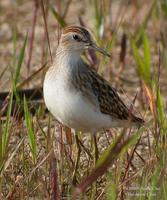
[(76, 95)]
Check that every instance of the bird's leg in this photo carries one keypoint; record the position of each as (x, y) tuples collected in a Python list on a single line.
[(95, 158), (74, 180), (95, 148)]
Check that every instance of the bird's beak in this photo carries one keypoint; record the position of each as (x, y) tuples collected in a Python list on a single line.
[(95, 47)]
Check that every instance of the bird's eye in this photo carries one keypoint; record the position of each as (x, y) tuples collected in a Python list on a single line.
[(76, 37)]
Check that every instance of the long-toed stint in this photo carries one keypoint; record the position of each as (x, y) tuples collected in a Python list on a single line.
[(76, 94)]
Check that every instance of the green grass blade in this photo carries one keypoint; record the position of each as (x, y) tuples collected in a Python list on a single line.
[(7, 125), (143, 62), (147, 55), (99, 17), (58, 17), (20, 61), (106, 154), (6, 134), (3, 72), (30, 131), (138, 58), (161, 111), (165, 190), (139, 32), (111, 189), (14, 45), (18, 69)]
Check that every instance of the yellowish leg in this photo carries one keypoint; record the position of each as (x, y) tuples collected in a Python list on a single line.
[(74, 179), (95, 158), (95, 148)]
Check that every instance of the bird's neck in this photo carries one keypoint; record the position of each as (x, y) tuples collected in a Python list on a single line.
[(67, 60)]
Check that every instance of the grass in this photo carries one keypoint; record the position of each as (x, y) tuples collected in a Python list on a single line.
[(39, 158)]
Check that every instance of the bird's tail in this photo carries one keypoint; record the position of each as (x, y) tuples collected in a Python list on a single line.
[(137, 120)]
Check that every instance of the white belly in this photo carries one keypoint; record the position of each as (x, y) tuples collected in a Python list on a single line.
[(72, 109)]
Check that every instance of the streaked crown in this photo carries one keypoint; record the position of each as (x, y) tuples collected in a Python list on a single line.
[(79, 33)]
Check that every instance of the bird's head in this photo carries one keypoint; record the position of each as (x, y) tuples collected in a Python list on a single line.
[(78, 39)]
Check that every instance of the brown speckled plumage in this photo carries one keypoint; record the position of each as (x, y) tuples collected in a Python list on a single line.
[(94, 86)]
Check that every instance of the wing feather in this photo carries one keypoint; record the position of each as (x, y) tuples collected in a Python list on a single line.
[(100, 92)]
